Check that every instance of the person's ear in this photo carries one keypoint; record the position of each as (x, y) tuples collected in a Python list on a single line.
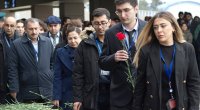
[(136, 8)]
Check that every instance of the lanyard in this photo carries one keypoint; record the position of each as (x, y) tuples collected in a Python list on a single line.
[(168, 70), (8, 43), (99, 46)]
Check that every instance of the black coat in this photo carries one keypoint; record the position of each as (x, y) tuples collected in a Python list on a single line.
[(121, 92), (86, 73), (4, 54), (25, 73), (148, 91), (2, 75), (196, 43)]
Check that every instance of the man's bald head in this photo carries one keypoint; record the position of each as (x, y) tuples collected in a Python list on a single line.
[(9, 26), (10, 19)]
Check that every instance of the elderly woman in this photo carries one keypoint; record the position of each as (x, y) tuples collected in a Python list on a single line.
[(62, 84)]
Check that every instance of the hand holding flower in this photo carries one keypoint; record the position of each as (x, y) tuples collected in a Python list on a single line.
[(121, 55)]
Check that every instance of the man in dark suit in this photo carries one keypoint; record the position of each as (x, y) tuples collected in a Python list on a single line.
[(30, 69), (54, 33), (7, 36), (113, 57)]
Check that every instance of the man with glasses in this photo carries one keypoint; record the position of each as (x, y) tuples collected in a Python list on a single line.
[(113, 57), (90, 83)]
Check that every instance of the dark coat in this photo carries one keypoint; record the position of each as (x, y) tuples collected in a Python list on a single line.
[(86, 73), (25, 73), (2, 75), (62, 84), (2, 67), (148, 91), (121, 92), (196, 43), (4, 54)]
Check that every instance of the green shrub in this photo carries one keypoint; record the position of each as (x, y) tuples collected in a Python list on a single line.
[(22, 106)]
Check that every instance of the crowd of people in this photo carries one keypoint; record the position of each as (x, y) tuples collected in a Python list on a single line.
[(122, 63)]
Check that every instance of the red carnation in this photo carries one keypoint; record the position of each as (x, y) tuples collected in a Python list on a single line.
[(120, 36), (130, 78)]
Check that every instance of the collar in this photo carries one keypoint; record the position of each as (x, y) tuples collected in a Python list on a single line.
[(58, 34), (135, 27), (68, 47), (30, 39), (96, 38), (26, 39), (11, 38), (91, 39)]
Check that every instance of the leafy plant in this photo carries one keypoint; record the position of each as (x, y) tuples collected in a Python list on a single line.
[(22, 106), (32, 106)]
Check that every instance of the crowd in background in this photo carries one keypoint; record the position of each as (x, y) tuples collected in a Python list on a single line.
[(69, 60)]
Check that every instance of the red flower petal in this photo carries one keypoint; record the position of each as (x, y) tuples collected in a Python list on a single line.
[(120, 36)]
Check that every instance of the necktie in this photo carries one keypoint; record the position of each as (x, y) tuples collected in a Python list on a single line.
[(130, 33)]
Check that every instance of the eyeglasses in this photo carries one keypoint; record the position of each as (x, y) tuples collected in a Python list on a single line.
[(126, 10), (102, 24)]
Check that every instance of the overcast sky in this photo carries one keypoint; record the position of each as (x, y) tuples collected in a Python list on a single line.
[(189, 7)]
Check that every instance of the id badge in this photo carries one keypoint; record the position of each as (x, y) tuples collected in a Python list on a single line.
[(171, 104), (106, 73)]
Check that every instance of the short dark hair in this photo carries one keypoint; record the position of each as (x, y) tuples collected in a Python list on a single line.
[(77, 22), (70, 28), (100, 12), (20, 21), (43, 25), (180, 13), (132, 2)]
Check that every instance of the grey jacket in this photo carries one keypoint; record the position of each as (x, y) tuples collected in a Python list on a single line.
[(27, 74)]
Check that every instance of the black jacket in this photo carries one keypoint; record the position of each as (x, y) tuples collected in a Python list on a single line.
[(148, 91), (121, 92), (4, 54), (86, 73), (2, 75)]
